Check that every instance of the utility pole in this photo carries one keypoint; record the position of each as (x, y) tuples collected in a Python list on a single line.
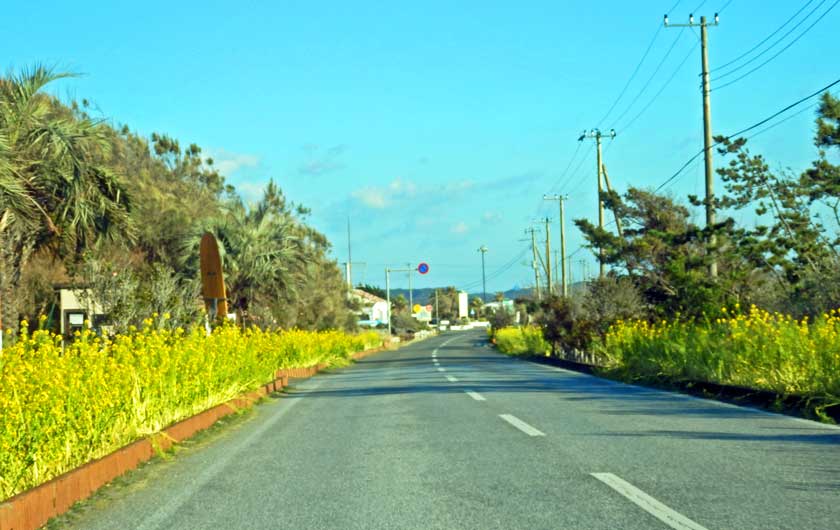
[(571, 275), (561, 199), (609, 190), (535, 262), (388, 272), (707, 126), (437, 307), (410, 291), (596, 133), (388, 297), (483, 251), (349, 257), (548, 256)]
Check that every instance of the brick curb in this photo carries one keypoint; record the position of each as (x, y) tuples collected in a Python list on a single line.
[(32, 509)]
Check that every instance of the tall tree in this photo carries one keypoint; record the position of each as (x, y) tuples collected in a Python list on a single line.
[(54, 192)]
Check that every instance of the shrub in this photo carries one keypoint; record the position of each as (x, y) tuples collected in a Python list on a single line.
[(526, 340), (754, 349)]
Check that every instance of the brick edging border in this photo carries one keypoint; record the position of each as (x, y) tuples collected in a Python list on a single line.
[(32, 509)]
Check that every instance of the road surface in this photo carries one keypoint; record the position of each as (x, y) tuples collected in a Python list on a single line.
[(447, 434)]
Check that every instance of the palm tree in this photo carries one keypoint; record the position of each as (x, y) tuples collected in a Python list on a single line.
[(55, 193), (261, 250)]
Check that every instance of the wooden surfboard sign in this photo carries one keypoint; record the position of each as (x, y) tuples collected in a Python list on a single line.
[(212, 280)]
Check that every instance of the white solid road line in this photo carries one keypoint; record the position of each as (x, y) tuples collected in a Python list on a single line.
[(521, 425), (647, 503), (475, 395), (451, 379), (210, 472), (709, 402)]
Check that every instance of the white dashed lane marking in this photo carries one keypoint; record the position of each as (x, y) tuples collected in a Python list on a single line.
[(647, 503), (521, 425), (475, 395)]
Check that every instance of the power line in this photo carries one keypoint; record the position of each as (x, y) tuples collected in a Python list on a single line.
[(581, 181), (635, 70), (795, 114), (498, 272), (658, 67), (747, 129), (791, 43), (768, 37), (541, 205), (719, 11), (664, 86), (650, 79)]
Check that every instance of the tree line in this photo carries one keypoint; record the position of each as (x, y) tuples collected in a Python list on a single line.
[(785, 258), (88, 203)]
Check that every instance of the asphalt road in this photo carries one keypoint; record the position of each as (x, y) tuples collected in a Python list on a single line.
[(446, 433)]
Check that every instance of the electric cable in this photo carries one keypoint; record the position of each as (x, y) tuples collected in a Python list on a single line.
[(747, 129), (768, 37), (791, 43)]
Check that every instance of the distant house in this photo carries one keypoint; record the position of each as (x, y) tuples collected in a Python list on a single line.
[(507, 305), (373, 309)]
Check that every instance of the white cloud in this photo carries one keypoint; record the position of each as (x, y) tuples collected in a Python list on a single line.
[(227, 163), (372, 197), (401, 189), (250, 191), (491, 218), (458, 186), (382, 197), (321, 161), (460, 228)]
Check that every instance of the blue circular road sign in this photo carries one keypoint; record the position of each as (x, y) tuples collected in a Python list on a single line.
[(423, 268)]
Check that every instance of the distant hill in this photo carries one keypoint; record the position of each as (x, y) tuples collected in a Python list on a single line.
[(427, 294)]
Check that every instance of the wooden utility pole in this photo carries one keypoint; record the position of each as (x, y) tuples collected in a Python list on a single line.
[(707, 127), (596, 133), (535, 262), (483, 251), (609, 190), (388, 297), (549, 286), (349, 257), (561, 199)]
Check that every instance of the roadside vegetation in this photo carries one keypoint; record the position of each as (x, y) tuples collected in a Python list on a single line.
[(87, 202), (118, 216), (658, 313), (63, 407), (753, 348)]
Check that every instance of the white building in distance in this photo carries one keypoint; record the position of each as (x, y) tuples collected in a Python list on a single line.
[(373, 309)]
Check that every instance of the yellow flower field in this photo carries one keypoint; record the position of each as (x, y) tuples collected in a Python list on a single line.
[(60, 408), (526, 340), (754, 349)]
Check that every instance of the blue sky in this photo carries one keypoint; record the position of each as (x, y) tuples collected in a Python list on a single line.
[(435, 126)]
